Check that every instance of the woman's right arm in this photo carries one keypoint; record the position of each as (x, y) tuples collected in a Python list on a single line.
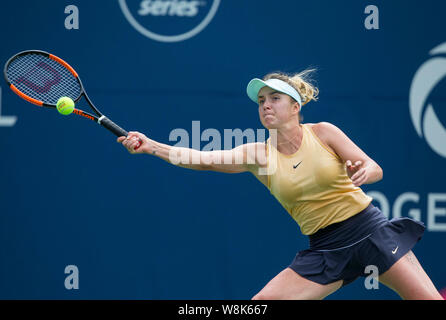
[(240, 159)]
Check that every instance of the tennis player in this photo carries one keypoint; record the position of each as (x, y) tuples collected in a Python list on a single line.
[(315, 171)]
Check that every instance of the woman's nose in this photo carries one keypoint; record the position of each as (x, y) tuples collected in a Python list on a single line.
[(266, 105)]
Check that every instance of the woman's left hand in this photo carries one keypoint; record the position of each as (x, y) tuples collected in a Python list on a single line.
[(357, 172)]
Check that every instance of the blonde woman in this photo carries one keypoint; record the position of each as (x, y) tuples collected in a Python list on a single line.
[(315, 171)]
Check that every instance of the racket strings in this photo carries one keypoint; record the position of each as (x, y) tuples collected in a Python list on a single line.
[(42, 78)]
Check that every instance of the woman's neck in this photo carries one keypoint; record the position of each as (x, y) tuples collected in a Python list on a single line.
[(289, 139)]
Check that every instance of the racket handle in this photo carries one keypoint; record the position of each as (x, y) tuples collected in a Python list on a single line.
[(113, 127)]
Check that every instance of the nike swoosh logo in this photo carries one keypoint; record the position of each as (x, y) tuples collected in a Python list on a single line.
[(294, 167), (394, 251)]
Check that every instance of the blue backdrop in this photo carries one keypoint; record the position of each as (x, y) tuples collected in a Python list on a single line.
[(139, 228)]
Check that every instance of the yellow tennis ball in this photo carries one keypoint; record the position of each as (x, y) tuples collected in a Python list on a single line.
[(65, 105)]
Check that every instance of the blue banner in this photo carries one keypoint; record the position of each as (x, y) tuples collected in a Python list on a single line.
[(81, 218)]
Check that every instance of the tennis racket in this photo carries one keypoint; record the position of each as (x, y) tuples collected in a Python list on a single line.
[(42, 78)]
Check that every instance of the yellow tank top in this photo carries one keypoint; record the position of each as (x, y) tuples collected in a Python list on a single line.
[(312, 184)]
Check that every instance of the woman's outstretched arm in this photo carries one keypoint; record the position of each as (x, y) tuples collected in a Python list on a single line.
[(239, 159)]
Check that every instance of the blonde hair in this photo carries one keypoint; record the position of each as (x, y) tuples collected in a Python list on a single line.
[(301, 81)]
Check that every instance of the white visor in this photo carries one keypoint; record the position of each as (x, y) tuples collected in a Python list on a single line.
[(256, 84)]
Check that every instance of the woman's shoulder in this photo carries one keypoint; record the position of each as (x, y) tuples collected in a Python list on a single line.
[(321, 128), (256, 149), (324, 131), (324, 125)]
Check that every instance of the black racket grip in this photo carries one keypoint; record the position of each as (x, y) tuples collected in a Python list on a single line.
[(113, 127)]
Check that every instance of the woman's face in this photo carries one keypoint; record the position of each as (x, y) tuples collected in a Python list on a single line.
[(275, 108)]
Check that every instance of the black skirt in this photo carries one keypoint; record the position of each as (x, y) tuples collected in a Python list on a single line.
[(343, 251)]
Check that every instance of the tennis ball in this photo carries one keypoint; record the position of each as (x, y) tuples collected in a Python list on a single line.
[(65, 105)]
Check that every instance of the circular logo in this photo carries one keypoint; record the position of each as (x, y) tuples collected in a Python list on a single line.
[(424, 118), (169, 20)]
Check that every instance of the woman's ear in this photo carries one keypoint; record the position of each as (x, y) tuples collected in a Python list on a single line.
[(296, 106)]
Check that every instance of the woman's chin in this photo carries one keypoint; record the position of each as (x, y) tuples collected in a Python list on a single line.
[(269, 126), (267, 121)]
